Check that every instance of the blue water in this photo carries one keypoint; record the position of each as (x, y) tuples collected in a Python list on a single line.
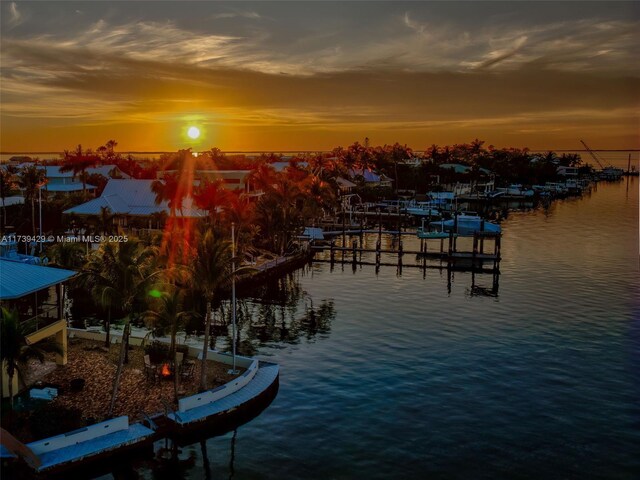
[(398, 376)]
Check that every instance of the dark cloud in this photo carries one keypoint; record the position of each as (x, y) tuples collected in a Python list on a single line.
[(405, 68)]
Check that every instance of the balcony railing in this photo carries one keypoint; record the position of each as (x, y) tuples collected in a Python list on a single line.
[(47, 316)]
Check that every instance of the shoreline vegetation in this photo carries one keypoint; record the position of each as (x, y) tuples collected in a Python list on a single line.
[(175, 277), (283, 194)]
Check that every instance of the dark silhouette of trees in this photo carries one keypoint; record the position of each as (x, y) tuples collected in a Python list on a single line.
[(31, 179), (77, 162)]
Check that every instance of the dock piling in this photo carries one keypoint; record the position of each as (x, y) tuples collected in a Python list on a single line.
[(354, 249)]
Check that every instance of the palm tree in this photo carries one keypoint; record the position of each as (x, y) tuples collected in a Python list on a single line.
[(31, 178), (212, 196), (278, 213), (106, 220), (168, 190), (7, 184), (120, 274), (15, 348), (66, 255), (318, 195), (98, 276), (107, 151), (211, 271), (262, 177), (173, 188), (241, 211), (170, 315), (394, 154), (78, 162)]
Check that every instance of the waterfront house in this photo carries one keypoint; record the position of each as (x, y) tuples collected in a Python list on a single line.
[(37, 293), (371, 179), (232, 179), (411, 162), (66, 182), (345, 185), (133, 201)]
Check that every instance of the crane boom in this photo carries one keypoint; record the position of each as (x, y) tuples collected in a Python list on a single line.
[(593, 155)]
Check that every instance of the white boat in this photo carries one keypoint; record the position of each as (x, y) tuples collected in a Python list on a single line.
[(611, 173), (469, 222), (515, 191), (553, 188)]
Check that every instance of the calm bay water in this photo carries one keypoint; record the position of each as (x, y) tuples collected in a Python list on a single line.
[(400, 376)]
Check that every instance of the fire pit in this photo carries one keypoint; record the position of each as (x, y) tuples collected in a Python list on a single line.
[(166, 371)]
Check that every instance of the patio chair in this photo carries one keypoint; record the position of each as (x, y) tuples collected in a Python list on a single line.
[(150, 370), (179, 358), (187, 370)]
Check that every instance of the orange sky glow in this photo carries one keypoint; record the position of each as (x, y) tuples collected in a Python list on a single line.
[(286, 77)]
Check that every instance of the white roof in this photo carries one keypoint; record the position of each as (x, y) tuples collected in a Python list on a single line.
[(343, 182), (132, 197)]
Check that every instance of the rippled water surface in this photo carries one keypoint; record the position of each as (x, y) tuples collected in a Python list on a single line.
[(429, 376)]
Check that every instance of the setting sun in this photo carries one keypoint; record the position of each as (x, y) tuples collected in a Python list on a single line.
[(193, 132)]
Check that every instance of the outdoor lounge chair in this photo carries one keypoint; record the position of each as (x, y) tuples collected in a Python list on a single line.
[(150, 370), (179, 358), (187, 370)]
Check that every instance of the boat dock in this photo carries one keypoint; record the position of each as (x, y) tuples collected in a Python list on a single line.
[(84, 452), (449, 256)]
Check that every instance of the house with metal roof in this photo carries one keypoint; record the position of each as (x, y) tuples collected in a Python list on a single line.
[(345, 185), (65, 182), (371, 178), (130, 199), (232, 179), (37, 293)]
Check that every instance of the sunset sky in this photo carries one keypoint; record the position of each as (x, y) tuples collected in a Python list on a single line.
[(311, 76)]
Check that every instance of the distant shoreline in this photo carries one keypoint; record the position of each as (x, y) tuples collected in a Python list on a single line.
[(327, 151)]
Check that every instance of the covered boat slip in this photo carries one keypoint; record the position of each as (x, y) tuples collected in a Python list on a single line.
[(265, 376)]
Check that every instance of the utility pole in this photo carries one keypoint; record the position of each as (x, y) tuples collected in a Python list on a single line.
[(40, 206), (233, 295)]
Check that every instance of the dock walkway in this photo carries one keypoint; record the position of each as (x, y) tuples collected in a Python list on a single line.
[(264, 378), (102, 445)]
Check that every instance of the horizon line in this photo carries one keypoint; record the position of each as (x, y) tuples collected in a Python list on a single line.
[(324, 151)]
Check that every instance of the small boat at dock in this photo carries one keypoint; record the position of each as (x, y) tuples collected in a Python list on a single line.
[(467, 223), (514, 192)]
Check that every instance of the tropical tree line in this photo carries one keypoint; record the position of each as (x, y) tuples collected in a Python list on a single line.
[(300, 194), (134, 283), (143, 285)]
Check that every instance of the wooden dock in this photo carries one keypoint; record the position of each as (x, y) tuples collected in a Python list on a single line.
[(449, 257)]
